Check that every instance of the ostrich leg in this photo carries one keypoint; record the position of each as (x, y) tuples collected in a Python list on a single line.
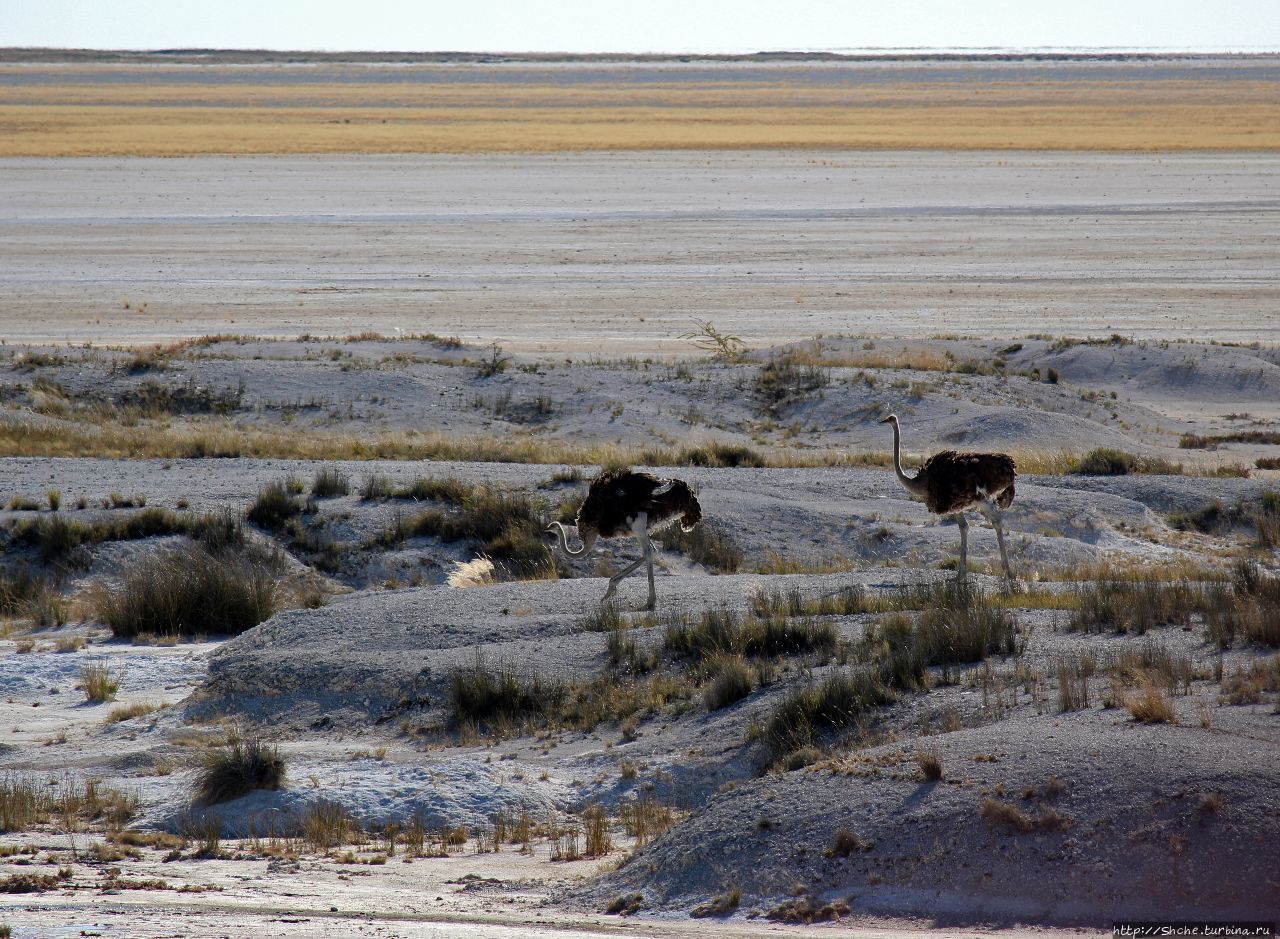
[(640, 529), (964, 546), (993, 516), (616, 578), (648, 556)]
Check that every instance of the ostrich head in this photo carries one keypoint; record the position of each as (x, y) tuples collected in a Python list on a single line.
[(890, 419)]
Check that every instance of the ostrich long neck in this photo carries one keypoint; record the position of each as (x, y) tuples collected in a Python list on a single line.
[(587, 541), (911, 484)]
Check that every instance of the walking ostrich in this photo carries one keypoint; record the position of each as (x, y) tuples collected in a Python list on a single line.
[(950, 482), (622, 502)]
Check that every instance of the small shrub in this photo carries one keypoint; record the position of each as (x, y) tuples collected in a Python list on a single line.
[(722, 905), (837, 701), (1133, 606), (1074, 673), (330, 482), (275, 506), (782, 380), (1151, 705), (505, 527), (958, 624), (706, 545), (807, 910), (1107, 461), (716, 455), (595, 830), (187, 590), (625, 655), (625, 904), (446, 489), (98, 684), (930, 764), (1267, 462), (1008, 817), (844, 843), (732, 680), (127, 711), (236, 770), (481, 696), (55, 499), (326, 825), (376, 487), (1248, 683), (716, 633)]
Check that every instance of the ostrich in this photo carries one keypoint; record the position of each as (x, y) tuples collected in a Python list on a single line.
[(620, 503), (950, 482)]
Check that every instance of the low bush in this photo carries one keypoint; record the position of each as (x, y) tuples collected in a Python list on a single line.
[(1134, 605), (237, 769), (732, 680), (326, 825), (275, 505), (1151, 705), (57, 539), (1008, 817), (330, 482), (717, 455), (1248, 683), (957, 624), (837, 701), (505, 527), (500, 698), (706, 545), (930, 764), (97, 683), (184, 591), (1108, 461)]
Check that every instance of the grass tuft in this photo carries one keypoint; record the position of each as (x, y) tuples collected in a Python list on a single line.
[(837, 701), (184, 591), (732, 679), (98, 684), (330, 482), (233, 771)]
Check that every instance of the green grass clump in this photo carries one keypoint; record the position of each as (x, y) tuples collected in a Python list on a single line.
[(706, 545), (26, 593), (1133, 605), (329, 483), (57, 539), (1247, 609), (275, 506), (717, 455), (187, 590), (732, 679), (446, 489), (839, 700), (237, 769), (1108, 461), (480, 696), (505, 527), (98, 684), (957, 624)]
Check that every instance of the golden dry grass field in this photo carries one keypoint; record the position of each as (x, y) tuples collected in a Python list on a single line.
[(128, 109)]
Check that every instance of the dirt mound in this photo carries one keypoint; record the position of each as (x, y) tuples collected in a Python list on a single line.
[(1074, 819)]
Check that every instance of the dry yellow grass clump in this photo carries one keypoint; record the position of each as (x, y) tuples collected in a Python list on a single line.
[(74, 116)]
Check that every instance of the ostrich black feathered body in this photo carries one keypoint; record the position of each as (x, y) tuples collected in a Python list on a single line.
[(954, 481), (615, 498)]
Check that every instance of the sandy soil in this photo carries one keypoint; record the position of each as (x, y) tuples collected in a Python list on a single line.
[(620, 253)]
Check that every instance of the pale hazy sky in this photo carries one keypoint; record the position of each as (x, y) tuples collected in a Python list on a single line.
[(639, 26)]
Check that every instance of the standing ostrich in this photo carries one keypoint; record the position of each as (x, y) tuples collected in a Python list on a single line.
[(950, 482), (620, 503)]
